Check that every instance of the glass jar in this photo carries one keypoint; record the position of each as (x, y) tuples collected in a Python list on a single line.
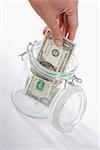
[(41, 93)]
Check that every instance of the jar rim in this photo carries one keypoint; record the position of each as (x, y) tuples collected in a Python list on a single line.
[(36, 65)]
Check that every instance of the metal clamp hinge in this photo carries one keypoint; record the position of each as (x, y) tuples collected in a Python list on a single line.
[(75, 79)]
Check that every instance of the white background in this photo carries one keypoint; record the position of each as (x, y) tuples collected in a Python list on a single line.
[(19, 24)]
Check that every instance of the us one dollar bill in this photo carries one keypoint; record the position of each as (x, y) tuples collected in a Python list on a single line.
[(52, 57), (41, 89)]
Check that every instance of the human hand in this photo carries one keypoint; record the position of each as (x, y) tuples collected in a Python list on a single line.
[(61, 16)]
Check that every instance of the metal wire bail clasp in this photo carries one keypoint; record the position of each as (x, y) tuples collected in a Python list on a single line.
[(29, 47), (76, 79), (22, 55)]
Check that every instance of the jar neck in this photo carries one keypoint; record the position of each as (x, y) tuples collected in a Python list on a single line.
[(35, 66)]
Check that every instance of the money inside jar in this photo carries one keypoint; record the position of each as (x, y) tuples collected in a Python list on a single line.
[(53, 58)]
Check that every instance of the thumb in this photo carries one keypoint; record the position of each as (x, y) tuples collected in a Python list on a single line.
[(56, 32)]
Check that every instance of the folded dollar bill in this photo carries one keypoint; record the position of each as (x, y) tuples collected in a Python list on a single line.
[(41, 89)]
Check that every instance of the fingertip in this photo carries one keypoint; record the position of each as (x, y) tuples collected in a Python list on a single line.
[(58, 38), (58, 43), (71, 38), (71, 33)]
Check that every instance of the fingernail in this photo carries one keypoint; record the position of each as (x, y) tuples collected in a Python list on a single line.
[(58, 43)]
